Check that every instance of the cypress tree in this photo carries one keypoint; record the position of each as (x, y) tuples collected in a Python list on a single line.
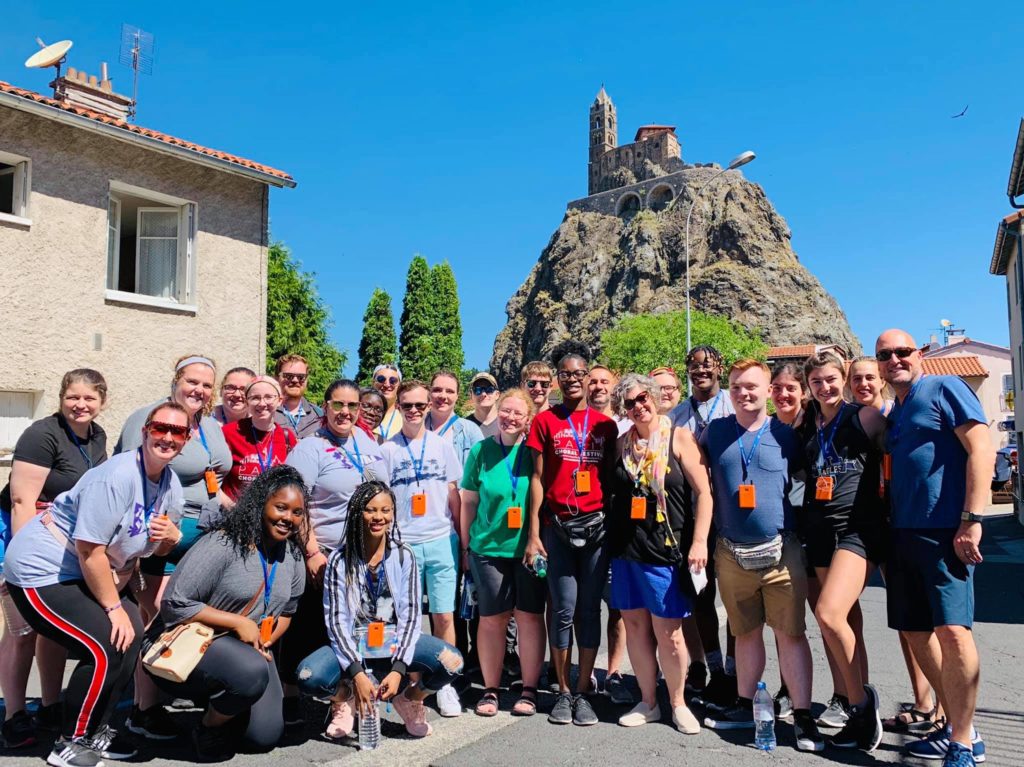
[(448, 329), (416, 347), (378, 344)]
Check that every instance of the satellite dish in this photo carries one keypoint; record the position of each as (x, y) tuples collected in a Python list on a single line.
[(945, 323), (50, 55)]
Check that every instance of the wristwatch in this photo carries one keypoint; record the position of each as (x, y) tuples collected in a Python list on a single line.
[(970, 516)]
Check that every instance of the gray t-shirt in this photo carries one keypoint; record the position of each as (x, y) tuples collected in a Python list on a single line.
[(213, 574), (191, 463), (695, 416), (408, 475), (108, 505), (329, 470)]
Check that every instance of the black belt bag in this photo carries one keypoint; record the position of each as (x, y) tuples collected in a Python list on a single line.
[(580, 531)]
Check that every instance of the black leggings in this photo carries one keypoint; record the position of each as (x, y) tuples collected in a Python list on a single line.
[(69, 614), (236, 680)]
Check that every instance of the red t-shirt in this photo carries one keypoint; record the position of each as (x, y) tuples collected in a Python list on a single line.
[(551, 436), (252, 451)]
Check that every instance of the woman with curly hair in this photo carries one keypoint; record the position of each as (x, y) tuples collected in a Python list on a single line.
[(244, 579), (372, 607)]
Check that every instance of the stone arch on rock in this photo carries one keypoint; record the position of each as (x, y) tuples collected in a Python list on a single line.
[(628, 204), (660, 196)]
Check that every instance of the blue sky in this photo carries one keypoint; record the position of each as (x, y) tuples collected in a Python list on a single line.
[(459, 131)]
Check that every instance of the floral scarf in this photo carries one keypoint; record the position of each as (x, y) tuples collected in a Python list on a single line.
[(648, 464)]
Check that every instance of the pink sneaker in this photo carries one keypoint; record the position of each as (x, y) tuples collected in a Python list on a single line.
[(340, 720), (414, 714)]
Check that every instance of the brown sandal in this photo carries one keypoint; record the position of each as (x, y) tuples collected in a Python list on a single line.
[(527, 703), (488, 703)]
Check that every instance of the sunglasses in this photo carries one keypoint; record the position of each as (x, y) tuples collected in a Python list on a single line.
[(478, 390), (419, 407), (159, 428), (579, 375), (337, 407), (295, 377), (533, 384), (641, 399), (388, 380), (884, 355)]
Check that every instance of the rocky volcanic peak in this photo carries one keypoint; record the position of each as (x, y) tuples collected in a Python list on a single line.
[(597, 268)]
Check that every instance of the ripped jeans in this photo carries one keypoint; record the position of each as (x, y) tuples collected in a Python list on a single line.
[(319, 674)]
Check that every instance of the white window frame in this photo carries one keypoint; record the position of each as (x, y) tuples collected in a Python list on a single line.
[(6, 457), (22, 214), (187, 226)]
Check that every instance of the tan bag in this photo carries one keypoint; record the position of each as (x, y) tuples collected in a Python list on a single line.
[(177, 652)]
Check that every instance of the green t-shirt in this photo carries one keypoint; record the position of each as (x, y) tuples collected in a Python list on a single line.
[(488, 473)]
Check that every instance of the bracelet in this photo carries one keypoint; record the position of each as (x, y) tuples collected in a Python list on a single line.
[(109, 610)]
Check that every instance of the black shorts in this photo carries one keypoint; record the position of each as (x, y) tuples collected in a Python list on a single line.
[(504, 584), (823, 536)]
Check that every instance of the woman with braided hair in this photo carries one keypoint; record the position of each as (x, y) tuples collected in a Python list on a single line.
[(372, 605)]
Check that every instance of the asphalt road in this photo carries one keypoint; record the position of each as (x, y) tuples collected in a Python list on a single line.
[(504, 740)]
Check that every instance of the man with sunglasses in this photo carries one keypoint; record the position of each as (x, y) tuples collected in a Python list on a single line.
[(295, 411), (536, 379), (424, 472), (484, 389), (939, 460)]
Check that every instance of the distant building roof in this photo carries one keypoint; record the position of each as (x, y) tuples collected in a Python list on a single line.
[(964, 366), (803, 351), (602, 96), (19, 98), (650, 130), (1005, 244), (1015, 186)]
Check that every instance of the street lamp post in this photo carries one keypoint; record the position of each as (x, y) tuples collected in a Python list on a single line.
[(740, 159)]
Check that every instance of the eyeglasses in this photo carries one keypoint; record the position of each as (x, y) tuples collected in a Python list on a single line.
[(372, 408), (511, 414), (669, 389), (388, 380), (884, 355), (479, 390), (641, 399), (295, 377), (337, 406), (231, 389), (534, 384), (157, 428), (256, 399), (408, 407), (579, 375)]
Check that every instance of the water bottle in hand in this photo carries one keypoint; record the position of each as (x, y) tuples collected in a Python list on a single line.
[(369, 723), (539, 566), (764, 719), (467, 605)]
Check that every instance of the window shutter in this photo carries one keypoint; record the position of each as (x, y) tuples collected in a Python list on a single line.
[(188, 262)]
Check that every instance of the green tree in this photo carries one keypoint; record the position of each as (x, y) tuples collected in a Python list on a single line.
[(378, 343), (298, 322), (643, 342), (447, 331), (416, 344)]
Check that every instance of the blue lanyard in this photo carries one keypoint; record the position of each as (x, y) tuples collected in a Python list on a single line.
[(268, 580), (387, 429), (825, 446), (746, 458), (206, 447), (78, 444), (357, 459), (447, 425), (703, 424), (581, 443), (374, 593), (264, 465), (896, 426), (423, 448), (293, 420), (513, 473), (148, 507)]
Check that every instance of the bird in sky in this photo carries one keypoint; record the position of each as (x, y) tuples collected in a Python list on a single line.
[(953, 117)]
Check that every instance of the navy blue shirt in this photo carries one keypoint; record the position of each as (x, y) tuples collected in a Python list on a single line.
[(929, 463), (777, 457)]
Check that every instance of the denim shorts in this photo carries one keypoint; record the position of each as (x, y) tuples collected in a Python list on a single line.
[(437, 560), (926, 584), (655, 588)]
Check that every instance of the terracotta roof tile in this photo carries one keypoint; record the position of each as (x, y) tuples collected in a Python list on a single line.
[(147, 132), (803, 350), (965, 366)]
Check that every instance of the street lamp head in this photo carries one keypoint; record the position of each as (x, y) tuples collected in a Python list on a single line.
[(741, 159)]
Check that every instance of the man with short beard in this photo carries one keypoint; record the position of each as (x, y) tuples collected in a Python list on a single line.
[(295, 411)]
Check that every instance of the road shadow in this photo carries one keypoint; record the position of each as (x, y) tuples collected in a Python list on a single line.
[(999, 579)]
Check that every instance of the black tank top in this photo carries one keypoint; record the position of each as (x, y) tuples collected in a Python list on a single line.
[(853, 461), (645, 541)]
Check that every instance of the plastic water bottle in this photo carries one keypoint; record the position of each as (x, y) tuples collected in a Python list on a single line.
[(369, 723), (539, 566), (467, 606), (764, 719)]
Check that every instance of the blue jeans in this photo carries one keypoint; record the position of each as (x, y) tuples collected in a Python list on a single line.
[(320, 673)]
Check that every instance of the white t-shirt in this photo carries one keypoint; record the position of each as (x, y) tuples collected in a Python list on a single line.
[(409, 475), (106, 506), (696, 420)]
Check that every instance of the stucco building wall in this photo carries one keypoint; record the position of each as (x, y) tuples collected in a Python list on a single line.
[(55, 314)]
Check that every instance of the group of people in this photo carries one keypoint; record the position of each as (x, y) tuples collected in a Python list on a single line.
[(312, 537)]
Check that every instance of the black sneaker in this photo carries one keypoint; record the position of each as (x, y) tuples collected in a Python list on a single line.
[(112, 745), (582, 712), (50, 717), (871, 711), (18, 731), (212, 744), (863, 729), (738, 716), (153, 723), (806, 732), (291, 709), (561, 712), (696, 680), (74, 753), (721, 690)]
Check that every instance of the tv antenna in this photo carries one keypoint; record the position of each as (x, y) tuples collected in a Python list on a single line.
[(136, 53), (50, 56)]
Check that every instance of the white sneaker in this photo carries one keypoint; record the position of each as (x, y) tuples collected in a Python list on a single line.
[(448, 703), (640, 714)]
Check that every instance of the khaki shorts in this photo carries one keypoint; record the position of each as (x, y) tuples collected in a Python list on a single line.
[(755, 597)]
